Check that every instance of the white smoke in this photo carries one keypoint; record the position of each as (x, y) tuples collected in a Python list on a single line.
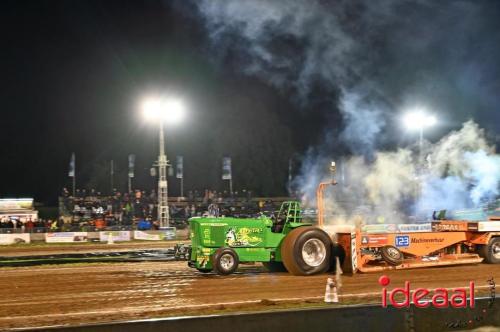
[(447, 156), (259, 24), (391, 178), (379, 55), (484, 174), (462, 171), (364, 123)]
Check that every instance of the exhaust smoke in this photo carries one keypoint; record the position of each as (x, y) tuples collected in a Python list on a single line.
[(371, 59)]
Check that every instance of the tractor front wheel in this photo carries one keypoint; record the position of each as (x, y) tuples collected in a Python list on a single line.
[(225, 261), (306, 250)]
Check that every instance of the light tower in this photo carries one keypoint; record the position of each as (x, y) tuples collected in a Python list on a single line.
[(168, 111)]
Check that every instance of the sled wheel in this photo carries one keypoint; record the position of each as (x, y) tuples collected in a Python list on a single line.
[(225, 261), (306, 251), (491, 251), (391, 255)]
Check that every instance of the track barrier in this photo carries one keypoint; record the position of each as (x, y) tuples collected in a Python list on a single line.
[(345, 318), (120, 234)]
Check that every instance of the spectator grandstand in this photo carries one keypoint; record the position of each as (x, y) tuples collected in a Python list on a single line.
[(91, 211)]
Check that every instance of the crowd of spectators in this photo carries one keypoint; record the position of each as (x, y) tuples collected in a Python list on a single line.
[(8, 225), (92, 211), (138, 209)]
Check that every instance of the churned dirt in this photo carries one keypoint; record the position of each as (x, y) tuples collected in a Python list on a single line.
[(90, 293)]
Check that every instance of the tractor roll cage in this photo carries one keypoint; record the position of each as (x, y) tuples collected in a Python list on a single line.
[(289, 212)]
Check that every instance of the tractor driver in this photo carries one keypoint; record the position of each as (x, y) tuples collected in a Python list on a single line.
[(278, 223)]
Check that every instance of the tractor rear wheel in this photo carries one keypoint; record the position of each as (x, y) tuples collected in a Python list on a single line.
[(392, 255), (306, 250), (225, 261), (274, 266), (491, 251)]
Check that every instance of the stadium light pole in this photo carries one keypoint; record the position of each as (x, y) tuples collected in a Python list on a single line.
[(419, 120), (165, 111)]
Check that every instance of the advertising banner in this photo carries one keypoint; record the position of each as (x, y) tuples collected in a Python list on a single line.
[(66, 237), (117, 236), (489, 226), (374, 240), (140, 235), (407, 228), (14, 238), (9, 204), (396, 228), (377, 228), (449, 226), (168, 233), (226, 168)]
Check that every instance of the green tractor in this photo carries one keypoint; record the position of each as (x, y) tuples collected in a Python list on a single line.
[(281, 243)]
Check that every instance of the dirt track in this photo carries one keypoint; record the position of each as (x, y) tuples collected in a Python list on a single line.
[(55, 295)]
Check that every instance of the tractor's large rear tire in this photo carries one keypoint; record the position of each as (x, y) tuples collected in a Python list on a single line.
[(491, 251), (306, 250), (274, 266)]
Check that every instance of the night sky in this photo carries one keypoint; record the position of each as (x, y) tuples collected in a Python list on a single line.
[(74, 74)]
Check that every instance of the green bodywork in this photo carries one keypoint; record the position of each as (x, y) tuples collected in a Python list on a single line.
[(253, 239)]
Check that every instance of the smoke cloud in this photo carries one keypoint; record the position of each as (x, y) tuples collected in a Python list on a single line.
[(364, 121), (399, 53), (461, 171), (377, 58)]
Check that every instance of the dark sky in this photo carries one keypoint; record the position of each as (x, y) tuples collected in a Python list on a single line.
[(74, 73)]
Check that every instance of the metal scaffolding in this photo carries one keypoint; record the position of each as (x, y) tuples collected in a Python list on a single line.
[(163, 213)]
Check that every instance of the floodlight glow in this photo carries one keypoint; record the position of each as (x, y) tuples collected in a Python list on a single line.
[(418, 120), (431, 120), (151, 109), (173, 111), (166, 110)]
